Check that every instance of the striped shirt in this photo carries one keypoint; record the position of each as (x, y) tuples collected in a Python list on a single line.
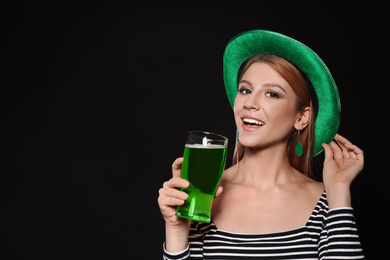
[(328, 234)]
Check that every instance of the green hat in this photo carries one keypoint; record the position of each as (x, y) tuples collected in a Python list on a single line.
[(247, 44)]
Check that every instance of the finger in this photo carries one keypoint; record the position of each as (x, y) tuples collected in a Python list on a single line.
[(176, 167), (328, 152), (173, 193), (352, 155), (341, 142), (337, 154), (218, 192), (165, 201), (170, 202), (356, 151), (342, 139), (176, 182), (351, 148)]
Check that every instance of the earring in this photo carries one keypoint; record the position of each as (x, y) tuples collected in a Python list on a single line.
[(298, 147)]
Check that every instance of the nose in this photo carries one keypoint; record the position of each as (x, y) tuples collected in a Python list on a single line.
[(252, 103)]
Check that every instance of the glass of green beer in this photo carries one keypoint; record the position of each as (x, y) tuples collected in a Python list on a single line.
[(203, 166)]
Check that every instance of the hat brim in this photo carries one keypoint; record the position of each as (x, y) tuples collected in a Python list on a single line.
[(250, 43)]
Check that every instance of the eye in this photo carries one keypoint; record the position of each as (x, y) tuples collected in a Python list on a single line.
[(272, 94), (244, 91)]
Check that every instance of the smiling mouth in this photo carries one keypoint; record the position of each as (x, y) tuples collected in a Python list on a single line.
[(252, 122)]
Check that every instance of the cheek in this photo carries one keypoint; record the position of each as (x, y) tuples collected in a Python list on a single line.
[(237, 103), (236, 110), (279, 112), (237, 119), (281, 115)]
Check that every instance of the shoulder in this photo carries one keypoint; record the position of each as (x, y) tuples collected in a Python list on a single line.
[(315, 187), (316, 190), (230, 174), (312, 186)]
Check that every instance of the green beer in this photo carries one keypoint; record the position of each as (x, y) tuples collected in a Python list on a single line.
[(203, 167)]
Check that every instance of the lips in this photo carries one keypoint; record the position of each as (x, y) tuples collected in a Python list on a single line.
[(251, 124)]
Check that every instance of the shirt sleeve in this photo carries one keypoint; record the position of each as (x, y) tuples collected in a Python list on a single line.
[(339, 239), (183, 255)]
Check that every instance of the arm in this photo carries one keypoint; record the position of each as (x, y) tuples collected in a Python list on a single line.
[(339, 239), (176, 229), (179, 231)]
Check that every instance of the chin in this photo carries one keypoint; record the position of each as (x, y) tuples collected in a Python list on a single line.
[(251, 141), (261, 140)]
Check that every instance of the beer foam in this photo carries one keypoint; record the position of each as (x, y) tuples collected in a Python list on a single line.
[(208, 146)]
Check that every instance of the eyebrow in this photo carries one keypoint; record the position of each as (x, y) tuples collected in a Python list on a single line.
[(273, 85)]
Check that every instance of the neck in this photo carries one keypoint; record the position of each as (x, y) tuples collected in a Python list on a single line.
[(265, 168)]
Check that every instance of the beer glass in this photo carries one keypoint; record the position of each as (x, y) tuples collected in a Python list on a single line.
[(203, 166)]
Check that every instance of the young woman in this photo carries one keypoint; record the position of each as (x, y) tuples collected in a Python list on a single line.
[(268, 206)]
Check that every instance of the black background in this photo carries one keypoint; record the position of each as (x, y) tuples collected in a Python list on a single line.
[(97, 99)]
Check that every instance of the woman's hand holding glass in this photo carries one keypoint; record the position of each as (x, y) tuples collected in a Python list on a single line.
[(176, 229), (170, 197)]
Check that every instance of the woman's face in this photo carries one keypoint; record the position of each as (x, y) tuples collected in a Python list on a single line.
[(264, 108)]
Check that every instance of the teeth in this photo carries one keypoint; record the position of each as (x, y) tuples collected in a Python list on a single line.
[(252, 121)]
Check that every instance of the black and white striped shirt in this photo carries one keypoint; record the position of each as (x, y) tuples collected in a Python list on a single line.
[(328, 234)]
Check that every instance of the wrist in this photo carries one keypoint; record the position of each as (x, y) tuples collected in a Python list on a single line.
[(176, 237), (338, 196)]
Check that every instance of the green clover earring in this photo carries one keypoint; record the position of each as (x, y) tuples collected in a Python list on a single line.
[(298, 147)]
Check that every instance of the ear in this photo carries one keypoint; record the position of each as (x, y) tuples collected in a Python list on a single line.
[(303, 119)]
